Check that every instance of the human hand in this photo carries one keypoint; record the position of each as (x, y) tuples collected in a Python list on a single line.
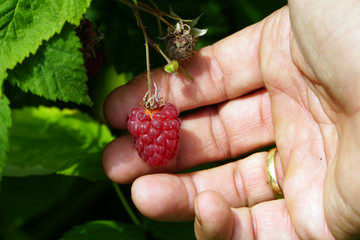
[(308, 63)]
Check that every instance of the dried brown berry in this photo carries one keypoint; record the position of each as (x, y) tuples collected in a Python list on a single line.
[(89, 41), (179, 44)]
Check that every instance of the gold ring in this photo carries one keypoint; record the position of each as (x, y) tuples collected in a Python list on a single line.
[(271, 173)]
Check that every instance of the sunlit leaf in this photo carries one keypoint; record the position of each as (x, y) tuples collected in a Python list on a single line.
[(45, 140), (25, 24), (56, 71), (5, 122)]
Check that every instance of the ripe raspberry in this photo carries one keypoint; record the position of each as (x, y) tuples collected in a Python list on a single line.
[(155, 133)]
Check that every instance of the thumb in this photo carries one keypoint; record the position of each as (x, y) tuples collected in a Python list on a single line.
[(214, 218)]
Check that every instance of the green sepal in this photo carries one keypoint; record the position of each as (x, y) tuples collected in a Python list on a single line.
[(172, 67)]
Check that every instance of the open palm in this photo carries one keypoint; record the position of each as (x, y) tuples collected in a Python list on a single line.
[(292, 80)]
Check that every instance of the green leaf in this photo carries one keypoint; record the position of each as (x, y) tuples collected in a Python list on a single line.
[(172, 13), (105, 230), (195, 21), (56, 71), (45, 140), (25, 24), (5, 123)]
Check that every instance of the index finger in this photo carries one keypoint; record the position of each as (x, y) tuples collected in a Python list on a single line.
[(225, 70)]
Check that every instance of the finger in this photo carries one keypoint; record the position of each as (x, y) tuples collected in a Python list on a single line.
[(225, 70), (216, 220), (323, 51), (224, 132), (213, 217), (171, 197), (266, 220), (212, 134), (122, 164)]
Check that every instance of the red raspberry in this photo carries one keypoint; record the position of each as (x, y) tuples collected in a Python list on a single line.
[(155, 133)]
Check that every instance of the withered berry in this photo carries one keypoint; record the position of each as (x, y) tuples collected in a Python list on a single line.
[(89, 41), (180, 43)]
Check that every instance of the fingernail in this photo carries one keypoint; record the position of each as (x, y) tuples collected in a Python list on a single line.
[(197, 216)]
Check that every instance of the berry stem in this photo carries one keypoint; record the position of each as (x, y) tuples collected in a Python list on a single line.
[(126, 205), (158, 49), (137, 15), (158, 14), (186, 73)]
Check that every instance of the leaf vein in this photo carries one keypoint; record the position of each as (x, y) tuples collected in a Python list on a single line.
[(43, 74), (11, 21)]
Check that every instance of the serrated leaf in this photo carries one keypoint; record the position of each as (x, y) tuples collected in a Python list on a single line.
[(25, 24), (5, 123), (105, 230), (52, 140), (56, 71)]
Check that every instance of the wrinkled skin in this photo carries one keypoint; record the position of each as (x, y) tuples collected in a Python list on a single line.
[(307, 56)]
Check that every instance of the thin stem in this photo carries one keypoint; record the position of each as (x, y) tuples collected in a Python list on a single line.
[(146, 51), (152, 12), (157, 48), (161, 13), (157, 20), (186, 73), (126, 205)]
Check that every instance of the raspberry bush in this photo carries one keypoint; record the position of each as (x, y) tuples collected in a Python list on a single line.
[(58, 61)]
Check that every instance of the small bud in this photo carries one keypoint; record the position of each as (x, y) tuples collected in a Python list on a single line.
[(196, 32), (172, 67)]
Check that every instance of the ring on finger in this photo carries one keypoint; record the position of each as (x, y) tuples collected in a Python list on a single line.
[(271, 174)]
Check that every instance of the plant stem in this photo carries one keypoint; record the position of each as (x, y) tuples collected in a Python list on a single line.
[(158, 14), (152, 11), (161, 13), (157, 20), (158, 49), (146, 51), (126, 205), (186, 73)]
